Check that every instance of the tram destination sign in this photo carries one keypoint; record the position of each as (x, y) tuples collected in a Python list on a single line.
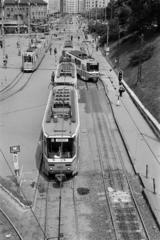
[(15, 149)]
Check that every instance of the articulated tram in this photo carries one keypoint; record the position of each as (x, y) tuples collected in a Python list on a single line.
[(87, 67), (32, 57), (60, 129)]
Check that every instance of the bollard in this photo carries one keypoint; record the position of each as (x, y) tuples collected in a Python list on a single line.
[(147, 171), (154, 186)]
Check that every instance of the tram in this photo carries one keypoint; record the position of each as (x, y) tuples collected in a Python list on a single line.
[(32, 57), (66, 74), (60, 128), (87, 67)]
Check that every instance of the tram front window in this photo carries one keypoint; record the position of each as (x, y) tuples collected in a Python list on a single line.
[(60, 149), (92, 67), (27, 58)]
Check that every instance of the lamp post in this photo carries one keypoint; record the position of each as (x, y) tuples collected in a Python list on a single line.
[(96, 11), (29, 23), (3, 34), (139, 73), (18, 19)]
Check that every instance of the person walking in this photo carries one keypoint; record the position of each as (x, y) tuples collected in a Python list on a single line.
[(121, 90), (50, 50)]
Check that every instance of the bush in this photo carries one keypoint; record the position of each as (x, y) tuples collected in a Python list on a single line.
[(143, 55)]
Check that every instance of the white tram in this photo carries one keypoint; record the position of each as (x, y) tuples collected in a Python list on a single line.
[(60, 129), (87, 67), (33, 56), (66, 74)]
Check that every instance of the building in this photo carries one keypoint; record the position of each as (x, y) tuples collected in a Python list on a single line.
[(73, 6), (54, 6), (90, 4), (35, 9)]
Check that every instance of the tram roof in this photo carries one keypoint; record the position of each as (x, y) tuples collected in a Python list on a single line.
[(61, 118), (66, 73), (80, 54)]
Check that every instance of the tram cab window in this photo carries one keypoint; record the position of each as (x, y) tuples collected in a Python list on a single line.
[(28, 58), (61, 149), (92, 67)]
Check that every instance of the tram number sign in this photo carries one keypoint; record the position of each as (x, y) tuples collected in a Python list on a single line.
[(61, 139), (15, 149)]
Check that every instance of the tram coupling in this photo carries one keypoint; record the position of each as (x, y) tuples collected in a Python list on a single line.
[(60, 178)]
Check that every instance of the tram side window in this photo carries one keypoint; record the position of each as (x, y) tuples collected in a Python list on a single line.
[(27, 58)]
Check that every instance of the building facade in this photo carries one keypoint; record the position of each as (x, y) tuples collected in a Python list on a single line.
[(73, 6), (90, 4), (35, 9), (54, 6)]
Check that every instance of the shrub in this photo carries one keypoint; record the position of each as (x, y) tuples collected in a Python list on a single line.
[(143, 55)]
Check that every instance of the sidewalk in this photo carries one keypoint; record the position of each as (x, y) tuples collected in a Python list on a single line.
[(142, 144), (14, 61)]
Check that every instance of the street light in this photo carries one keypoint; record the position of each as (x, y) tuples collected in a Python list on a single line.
[(29, 23), (18, 19), (3, 34), (139, 73)]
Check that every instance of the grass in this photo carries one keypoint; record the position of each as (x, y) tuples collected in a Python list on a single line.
[(148, 90)]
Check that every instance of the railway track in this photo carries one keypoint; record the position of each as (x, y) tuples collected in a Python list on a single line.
[(55, 208), (20, 81), (125, 215), (7, 228)]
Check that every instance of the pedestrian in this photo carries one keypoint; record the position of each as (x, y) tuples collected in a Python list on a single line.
[(50, 50), (55, 51), (96, 47), (52, 78), (5, 59), (71, 37), (78, 37), (121, 90), (1, 44), (18, 45)]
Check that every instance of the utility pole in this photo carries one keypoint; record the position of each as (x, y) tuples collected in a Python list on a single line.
[(18, 19), (3, 34), (29, 23), (118, 55), (96, 11), (139, 73)]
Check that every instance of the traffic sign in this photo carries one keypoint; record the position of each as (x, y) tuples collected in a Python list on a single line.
[(15, 149)]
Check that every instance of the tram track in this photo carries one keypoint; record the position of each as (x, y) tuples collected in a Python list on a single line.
[(7, 228), (126, 218), (16, 86)]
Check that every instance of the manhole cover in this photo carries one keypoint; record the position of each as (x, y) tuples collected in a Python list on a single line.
[(83, 191)]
